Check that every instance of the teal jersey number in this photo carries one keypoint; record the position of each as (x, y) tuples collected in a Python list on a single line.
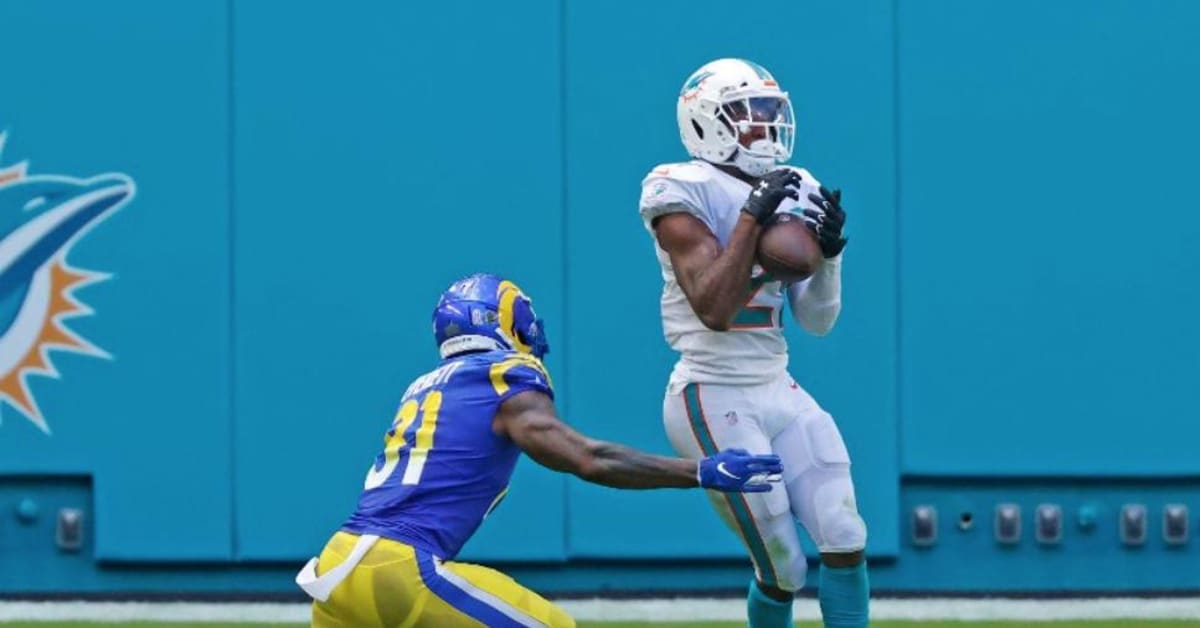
[(757, 316)]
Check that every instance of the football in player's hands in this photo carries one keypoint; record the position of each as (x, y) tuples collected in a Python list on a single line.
[(787, 249)]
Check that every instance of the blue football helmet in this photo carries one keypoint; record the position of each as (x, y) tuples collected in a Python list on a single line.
[(486, 313)]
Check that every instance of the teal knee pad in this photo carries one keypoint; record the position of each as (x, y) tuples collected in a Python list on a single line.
[(844, 595), (764, 612)]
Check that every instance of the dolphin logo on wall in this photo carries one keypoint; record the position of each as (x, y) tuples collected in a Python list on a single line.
[(41, 218)]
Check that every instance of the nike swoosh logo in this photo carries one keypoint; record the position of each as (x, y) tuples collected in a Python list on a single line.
[(722, 471)]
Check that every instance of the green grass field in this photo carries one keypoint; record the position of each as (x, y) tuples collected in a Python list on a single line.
[(875, 624)]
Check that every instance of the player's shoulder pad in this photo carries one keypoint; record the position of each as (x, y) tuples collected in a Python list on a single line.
[(671, 186), (512, 372), (684, 172)]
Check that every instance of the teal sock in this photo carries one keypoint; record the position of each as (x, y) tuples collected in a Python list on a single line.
[(765, 612), (844, 595)]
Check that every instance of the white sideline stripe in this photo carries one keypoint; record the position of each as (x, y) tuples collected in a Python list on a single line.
[(676, 609), (919, 609), (153, 611)]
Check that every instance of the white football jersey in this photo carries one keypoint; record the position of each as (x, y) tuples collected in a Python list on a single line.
[(753, 350)]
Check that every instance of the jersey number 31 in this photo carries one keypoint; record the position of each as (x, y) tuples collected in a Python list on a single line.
[(395, 444)]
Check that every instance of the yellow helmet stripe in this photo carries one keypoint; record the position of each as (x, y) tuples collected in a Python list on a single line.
[(508, 292)]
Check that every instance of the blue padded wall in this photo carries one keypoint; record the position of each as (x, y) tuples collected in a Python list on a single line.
[(1047, 235), (145, 95), (370, 175)]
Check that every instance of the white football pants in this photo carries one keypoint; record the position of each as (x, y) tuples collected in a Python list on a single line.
[(777, 417)]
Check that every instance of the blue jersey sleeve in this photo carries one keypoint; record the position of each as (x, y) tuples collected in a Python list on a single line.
[(518, 373)]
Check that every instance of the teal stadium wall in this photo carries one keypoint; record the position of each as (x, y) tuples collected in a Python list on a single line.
[(1018, 294)]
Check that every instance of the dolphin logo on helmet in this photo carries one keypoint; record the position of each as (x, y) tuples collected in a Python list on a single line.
[(732, 111)]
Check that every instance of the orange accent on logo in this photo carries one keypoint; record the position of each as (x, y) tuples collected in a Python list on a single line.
[(770, 84), (662, 171), (11, 173), (53, 335)]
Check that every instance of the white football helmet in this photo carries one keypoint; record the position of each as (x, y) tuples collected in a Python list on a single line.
[(730, 98)]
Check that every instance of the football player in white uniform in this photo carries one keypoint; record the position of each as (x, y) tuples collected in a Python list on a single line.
[(723, 315)]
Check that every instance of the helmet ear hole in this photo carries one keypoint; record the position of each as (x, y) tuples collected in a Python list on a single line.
[(699, 131)]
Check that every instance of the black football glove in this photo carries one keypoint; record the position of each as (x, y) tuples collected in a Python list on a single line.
[(770, 191), (827, 223)]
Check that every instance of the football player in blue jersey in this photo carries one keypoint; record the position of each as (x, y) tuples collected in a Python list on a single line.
[(447, 462)]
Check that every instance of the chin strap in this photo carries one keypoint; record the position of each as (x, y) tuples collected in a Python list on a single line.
[(753, 166)]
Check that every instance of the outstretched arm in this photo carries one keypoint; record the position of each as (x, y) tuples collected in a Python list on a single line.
[(529, 420)]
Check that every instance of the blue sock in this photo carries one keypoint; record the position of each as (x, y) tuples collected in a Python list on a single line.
[(844, 595), (765, 612)]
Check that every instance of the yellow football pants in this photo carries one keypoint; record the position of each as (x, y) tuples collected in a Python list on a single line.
[(398, 586)]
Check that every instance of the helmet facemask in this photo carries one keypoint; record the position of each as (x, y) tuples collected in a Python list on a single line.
[(519, 324), (769, 123), (530, 330)]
